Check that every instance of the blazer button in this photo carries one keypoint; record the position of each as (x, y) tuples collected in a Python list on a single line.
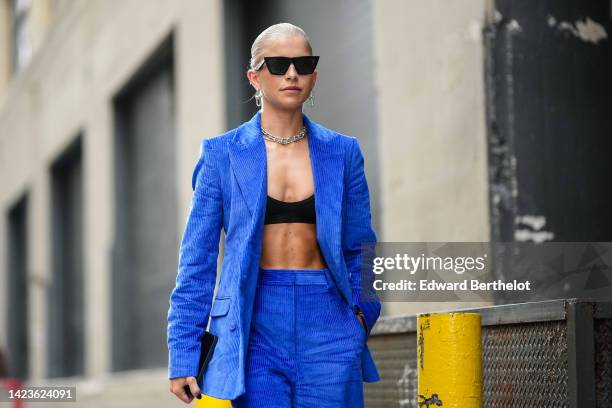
[(233, 326)]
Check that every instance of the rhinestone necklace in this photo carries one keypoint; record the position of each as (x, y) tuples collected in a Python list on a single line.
[(284, 140)]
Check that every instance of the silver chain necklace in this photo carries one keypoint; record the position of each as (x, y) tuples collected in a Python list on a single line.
[(285, 140)]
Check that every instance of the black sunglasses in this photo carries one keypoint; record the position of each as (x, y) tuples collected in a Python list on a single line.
[(279, 65)]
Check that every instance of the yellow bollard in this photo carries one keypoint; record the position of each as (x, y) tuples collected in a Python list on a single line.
[(210, 402), (449, 359)]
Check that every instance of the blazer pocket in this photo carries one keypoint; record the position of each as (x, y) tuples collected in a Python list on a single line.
[(221, 306)]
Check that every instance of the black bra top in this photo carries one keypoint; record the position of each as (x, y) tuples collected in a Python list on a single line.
[(294, 211)]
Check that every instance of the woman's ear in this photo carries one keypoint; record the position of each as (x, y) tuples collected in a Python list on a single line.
[(314, 78), (253, 80)]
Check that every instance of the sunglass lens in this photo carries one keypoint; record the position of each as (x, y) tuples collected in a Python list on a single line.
[(305, 65), (277, 65)]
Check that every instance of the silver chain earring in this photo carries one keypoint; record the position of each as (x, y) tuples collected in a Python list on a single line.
[(258, 96), (311, 98)]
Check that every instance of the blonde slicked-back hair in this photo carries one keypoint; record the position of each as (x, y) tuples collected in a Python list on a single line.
[(272, 32)]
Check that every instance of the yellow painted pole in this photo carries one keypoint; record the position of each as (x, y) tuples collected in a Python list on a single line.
[(449, 359), (210, 402)]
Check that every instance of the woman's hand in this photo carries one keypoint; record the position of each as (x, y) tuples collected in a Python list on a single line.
[(185, 388)]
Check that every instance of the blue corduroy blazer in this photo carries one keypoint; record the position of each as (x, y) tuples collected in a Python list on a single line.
[(230, 191)]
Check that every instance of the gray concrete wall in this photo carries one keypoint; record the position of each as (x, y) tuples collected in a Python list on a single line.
[(89, 53), (430, 87)]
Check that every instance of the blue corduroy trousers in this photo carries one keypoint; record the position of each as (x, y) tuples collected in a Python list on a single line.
[(305, 344)]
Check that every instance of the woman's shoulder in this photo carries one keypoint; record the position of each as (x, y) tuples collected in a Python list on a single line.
[(340, 140), (347, 143), (217, 142)]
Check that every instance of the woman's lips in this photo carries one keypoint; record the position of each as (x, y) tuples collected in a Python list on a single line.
[(292, 89)]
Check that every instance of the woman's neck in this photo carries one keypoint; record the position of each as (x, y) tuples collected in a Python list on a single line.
[(281, 123)]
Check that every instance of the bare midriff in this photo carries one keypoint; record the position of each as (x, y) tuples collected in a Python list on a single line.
[(291, 246)]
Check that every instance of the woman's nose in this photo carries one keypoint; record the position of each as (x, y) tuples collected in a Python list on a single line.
[(291, 71)]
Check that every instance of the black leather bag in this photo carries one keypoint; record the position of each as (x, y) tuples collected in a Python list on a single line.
[(207, 347)]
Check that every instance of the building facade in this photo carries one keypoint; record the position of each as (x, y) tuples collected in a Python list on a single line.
[(102, 108)]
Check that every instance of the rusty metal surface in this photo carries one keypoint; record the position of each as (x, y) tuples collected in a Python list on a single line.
[(525, 365), (603, 362)]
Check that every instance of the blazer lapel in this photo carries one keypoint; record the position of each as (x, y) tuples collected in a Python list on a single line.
[(248, 161), (328, 173)]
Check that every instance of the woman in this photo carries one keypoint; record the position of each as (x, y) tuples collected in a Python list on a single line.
[(291, 195)]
